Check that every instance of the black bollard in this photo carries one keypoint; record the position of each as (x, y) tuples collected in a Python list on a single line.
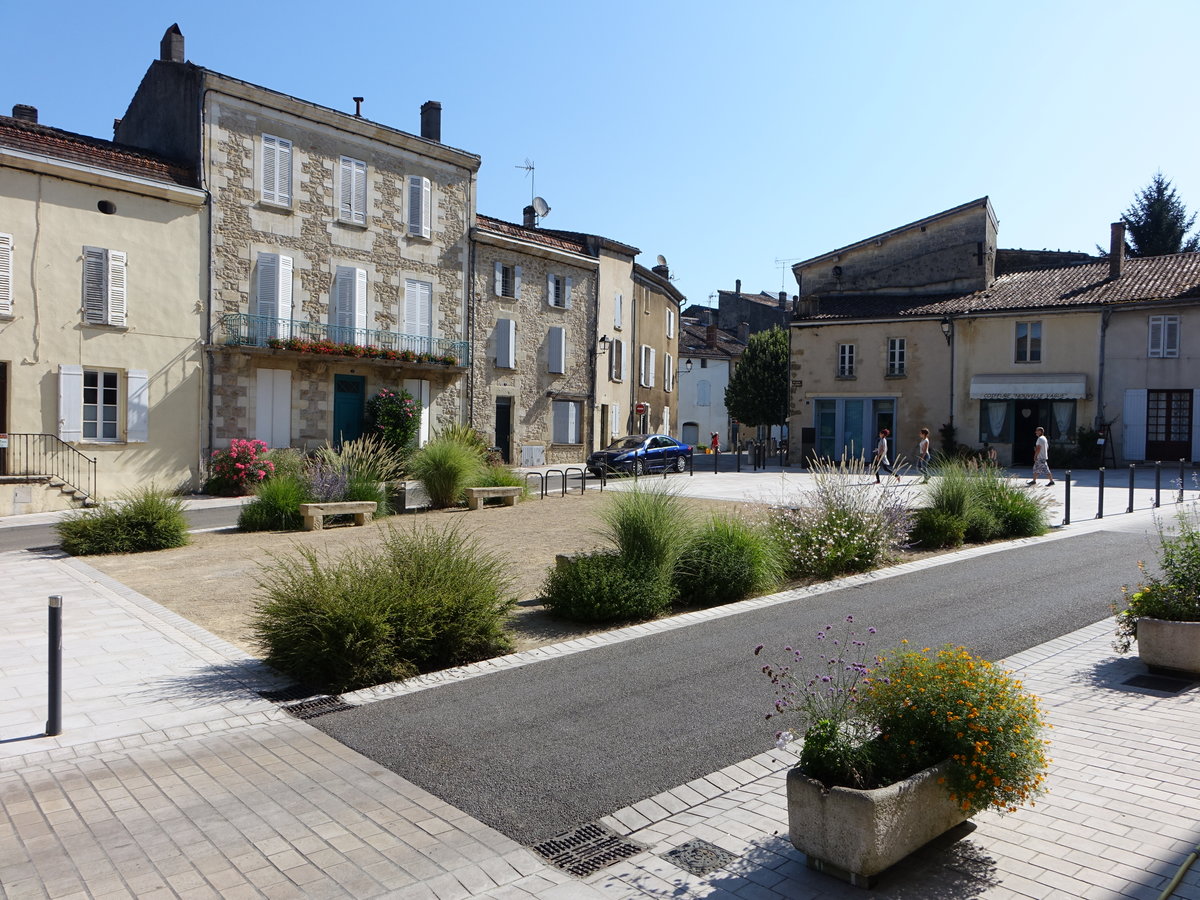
[(1180, 500), (1157, 484), (1100, 509), (1067, 500), (1132, 467), (54, 720)]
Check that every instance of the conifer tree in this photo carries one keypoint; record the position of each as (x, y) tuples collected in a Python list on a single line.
[(1158, 223)]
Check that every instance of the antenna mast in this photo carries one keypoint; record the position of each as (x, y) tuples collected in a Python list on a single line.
[(782, 264), (529, 168)]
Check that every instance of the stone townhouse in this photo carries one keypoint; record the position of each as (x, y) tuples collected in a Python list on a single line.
[(339, 253), (707, 357), (102, 287), (930, 325), (654, 337)]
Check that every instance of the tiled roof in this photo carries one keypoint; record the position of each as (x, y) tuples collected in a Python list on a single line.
[(534, 235), (1148, 278), (764, 298), (693, 341), (31, 137)]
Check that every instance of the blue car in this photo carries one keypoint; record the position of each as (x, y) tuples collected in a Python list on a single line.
[(640, 454)]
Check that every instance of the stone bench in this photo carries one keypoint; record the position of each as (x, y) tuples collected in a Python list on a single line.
[(315, 513), (476, 495)]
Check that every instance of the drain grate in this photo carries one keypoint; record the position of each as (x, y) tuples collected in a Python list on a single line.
[(699, 857), (317, 706), (287, 694), (1165, 683), (587, 849)]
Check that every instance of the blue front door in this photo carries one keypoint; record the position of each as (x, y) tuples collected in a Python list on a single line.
[(349, 399)]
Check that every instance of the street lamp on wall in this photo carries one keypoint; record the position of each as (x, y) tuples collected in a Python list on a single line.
[(687, 367), (947, 327)]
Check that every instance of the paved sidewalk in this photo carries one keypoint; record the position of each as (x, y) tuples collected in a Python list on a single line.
[(173, 778)]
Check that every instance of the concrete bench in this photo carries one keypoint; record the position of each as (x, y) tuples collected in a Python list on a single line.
[(476, 495), (315, 513)]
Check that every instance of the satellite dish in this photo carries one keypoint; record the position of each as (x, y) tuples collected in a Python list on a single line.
[(541, 207), (662, 260)]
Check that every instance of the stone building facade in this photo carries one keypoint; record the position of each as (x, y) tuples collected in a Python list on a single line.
[(339, 248)]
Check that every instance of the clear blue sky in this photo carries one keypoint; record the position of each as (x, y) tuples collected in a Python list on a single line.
[(720, 135)]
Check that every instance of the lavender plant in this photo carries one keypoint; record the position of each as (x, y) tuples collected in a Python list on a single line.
[(327, 483)]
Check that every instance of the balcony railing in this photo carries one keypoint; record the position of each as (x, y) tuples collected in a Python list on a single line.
[(291, 334)]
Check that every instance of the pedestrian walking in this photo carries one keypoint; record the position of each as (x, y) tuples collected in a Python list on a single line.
[(716, 442), (923, 455), (881, 455), (1041, 458)]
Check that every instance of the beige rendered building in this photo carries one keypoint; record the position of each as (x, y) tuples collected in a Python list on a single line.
[(102, 287), (339, 254)]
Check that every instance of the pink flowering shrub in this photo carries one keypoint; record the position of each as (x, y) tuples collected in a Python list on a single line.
[(396, 416), (234, 472)]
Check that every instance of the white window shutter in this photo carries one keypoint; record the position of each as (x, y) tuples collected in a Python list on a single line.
[(1155, 349), (668, 372), (618, 304), (499, 288), (558, 350), (614, 427), (567, 295), (137, 406), (420, 205), (1134, 417), (360, 192), (270, 169), (505, 343), (650, 368), (517, 282), (266, 289), (412, 300), (426, 207), (70, 403), (6, 274), (342, 314), (117, 285), (614, 361), (346, 189), (573, 422), (1171, 339), (549, 290), (95, 285), (360, 305), (425, 312), (624, 361), (666, 420), (419, 390), (284, 295)]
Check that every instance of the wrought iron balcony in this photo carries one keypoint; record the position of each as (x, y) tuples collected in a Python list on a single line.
[(239, 329)]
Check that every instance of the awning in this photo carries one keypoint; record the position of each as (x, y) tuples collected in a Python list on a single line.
[(1028, 387)]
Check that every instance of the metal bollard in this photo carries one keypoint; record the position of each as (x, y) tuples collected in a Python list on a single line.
[(1100, 509), (1180, 500), (716, 461), (1067, 500), (54, 720), (1157, 483), (738, 451), (1132, 467)]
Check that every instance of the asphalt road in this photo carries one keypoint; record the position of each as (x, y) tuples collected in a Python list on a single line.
[(24, 537), (537, 750)]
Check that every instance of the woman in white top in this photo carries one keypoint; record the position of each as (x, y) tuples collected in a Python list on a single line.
[(881, 455), (923, 455)]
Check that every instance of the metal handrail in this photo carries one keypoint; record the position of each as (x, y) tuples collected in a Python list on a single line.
[(48, 456), (240, 329)]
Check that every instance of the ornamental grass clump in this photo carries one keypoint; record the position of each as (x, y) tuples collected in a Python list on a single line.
[(648, 526), (844, 524), (870, 721), (979, 498), (276, 504), (1173, 595), (727, 559), (447, 466), (140, 520)]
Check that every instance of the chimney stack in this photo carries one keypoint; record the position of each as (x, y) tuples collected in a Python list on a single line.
[(783, 299), (170, 48), (1116, 250), (710, 335), (530, 217), (661, 271), (744, 332), (737, 287), (431, 121), (24, 112)]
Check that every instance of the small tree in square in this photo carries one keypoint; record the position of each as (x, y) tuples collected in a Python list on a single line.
[(396, 416)]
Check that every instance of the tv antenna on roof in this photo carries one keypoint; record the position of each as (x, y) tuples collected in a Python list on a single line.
[(782, 264), (529, 168)]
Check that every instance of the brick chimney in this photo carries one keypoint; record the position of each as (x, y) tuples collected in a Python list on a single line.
[(662, 271), (710, 335), (743, 331), (783, 299), (170, 48), (431, 121), (1116, 250), (529, 217), (24, 112), (737, 287)]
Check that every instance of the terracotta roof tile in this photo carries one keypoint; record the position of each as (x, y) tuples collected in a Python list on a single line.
[(693, 341), (33, 137), (534, 235)]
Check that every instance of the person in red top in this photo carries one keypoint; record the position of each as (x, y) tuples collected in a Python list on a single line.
[(716, 442)]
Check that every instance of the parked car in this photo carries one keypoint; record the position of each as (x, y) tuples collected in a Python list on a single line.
[(641, 453)]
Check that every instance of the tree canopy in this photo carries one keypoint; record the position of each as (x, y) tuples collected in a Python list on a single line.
[(758, 388), (1158, 223)]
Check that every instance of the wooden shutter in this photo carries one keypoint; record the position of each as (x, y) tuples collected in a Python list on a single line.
[(6, 275), (70, 403), (273, 411), (506, 340), (624, 361), (276, 170), (360, 306), (567, 294), (419, 390), (1156, 337), (266, 289), (137, 406), (517, 282), (95, 285), (1134, 417), (1171, 336), (116, 287), (614, 427), (670, 323), (650, 368), (551, 283), (284, 296), (573, 422), (558, 350), (352, 189), (499, 280), (342, 314), (420, 206), (614, 360), (668, 372), (618, 307)]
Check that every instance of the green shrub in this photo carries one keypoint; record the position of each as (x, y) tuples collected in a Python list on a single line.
[(1173, 596), (370, 456), (360, 488), (648, 526), (728, 559), (1020, 515), (395, 417), (236, 471), (606, 587), (950, 490), (982, 524), (934, 529), (276, 505), (286, 461), (143, 519), (981, 495), (447, 467), (422, 601)]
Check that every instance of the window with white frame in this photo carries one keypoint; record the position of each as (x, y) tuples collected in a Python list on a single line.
[(557, 350), (103, 405), (6, 274), (670, 324), (1164, 337), (348, 312), (845, 363), (567, 422), (558, 290), (420, 206), (616, 426), (507, 281), (618, 310), (647, 367), (276, 170), (506, 344), (104, 286), (897, 356), (1029, 342), (418, 315), (618, 362), (352, 191), (273, 297), (668, 372)]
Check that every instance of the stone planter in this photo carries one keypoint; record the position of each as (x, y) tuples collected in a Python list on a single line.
[(1169, 646), (855, 835), (410, 495)]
